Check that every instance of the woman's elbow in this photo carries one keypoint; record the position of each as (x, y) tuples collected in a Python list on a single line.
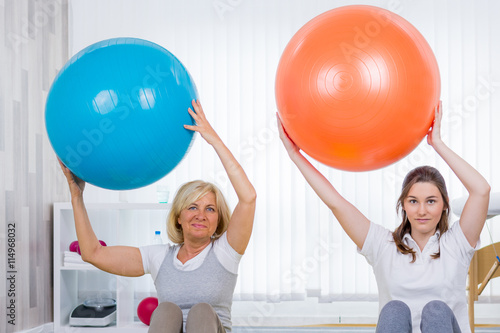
[(480, 189), (484, 190), (90, 256), (488, 188), (86, 257), (250, 197)]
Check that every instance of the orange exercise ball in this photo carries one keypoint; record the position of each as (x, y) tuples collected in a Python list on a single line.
[(356, 88)]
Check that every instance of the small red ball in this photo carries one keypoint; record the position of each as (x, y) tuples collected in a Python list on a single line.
[(145, 309), (73, 246)]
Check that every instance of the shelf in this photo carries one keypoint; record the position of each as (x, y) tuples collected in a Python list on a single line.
[(117, 206), (131, 224), (87, 267), (138, 327)]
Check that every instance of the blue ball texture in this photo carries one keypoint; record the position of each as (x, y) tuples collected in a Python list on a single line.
[(115, 113)]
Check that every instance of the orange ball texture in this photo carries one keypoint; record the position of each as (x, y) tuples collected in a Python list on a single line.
[(356, 88)]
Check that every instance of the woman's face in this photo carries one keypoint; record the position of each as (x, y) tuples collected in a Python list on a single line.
[(199, 219), (424, 206)]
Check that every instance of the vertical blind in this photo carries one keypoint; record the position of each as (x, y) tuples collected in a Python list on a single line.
[(232, 49)]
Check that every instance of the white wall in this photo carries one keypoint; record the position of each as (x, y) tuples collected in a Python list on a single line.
[(33, 47), (232, 48)]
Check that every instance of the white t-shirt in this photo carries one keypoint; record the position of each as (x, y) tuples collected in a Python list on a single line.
[(426, 279), (153, 256)]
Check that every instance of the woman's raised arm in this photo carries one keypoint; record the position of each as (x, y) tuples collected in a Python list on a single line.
[(120, 260), (354, 223), (475, 209), (241, 224)]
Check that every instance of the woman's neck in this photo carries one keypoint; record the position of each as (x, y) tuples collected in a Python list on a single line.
[(421, 239), (190, 249)]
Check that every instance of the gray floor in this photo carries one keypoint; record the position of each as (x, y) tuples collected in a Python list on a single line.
[(328, 329), (303, 329)]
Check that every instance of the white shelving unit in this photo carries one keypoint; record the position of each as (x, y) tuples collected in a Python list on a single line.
[(131, 224)]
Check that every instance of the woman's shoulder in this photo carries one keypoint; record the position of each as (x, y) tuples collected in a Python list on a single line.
[(378, 242), (152, 257), (455, 239), (220, 240), (226, 255), (165, 246), (453, 231), (222, 243), (379, 231), (157, 249)]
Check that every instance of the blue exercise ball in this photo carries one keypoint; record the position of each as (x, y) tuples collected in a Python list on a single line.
[(116, 110)]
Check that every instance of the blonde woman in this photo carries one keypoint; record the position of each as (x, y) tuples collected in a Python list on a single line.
[(195, 278)]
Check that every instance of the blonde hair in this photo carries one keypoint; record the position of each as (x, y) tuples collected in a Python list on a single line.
[(186, 195)]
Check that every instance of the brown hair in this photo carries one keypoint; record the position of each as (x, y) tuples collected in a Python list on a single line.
[(186, 195), (423, 174)]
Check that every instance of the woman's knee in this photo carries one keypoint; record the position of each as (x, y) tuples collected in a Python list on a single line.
[(436, 308), (170, 308), (202, 309), (437, 316), (397, 307), (167, 317), (164, 309), (203, 318), (395, 317)]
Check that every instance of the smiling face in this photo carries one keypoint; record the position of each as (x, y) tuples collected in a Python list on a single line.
[(199, 219), (424, 206)]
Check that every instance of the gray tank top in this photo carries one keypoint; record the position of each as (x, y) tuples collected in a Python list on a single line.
[(210, 283)]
